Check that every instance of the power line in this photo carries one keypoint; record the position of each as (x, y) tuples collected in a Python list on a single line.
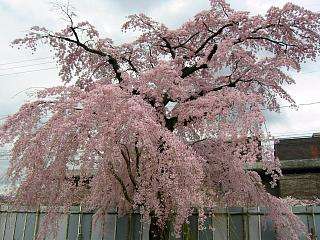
[(23, 66), (29, 88), (302, 104), (290, 106), (309, 72), (36, 70), (21, 61)]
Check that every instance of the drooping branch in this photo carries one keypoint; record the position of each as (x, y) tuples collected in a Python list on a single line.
[(127, 159), (118, 178), (124, 189), (171, 123), (137, 153)]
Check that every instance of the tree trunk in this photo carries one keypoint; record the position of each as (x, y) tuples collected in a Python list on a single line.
[(158, 233)]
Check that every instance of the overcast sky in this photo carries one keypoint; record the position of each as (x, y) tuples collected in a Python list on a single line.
[(16, 16)]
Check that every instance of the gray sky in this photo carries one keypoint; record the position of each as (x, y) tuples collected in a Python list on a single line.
[(17, 16)]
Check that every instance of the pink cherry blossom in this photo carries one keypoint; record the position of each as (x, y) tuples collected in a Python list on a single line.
[(165, 124)]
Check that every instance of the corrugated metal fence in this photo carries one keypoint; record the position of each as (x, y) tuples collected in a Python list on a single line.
[(228, 224)]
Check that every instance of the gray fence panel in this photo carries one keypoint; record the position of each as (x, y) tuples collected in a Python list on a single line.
[(220, 224), (63, 224), (135, 227), (86, 223), (122, 229), (145, 231), (267, 231), (20, 226), (97, 230), (110, 222), (10, 224), (254, 227), (231, 224), (316, 221), (236, 227), (30, 226), (73, 222), (304, 218), (3, 219), (40, 217), (193, 226), (207, 232)]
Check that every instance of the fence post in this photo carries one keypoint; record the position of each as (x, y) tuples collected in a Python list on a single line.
[(80, 224), (25, 224), (246, 223), (36, 223), (314, 226)]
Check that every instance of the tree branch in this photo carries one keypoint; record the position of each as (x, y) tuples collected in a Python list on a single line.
[(128, 163), (203, 93), (168, 45), (120, 181), (219, 31), (281, 43), (212, 52), (111, 60), (137, 159), (128, 60), (124, 189), (187, 71), (186, 41)]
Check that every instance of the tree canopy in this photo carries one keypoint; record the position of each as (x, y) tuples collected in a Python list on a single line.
[(166, 123)]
